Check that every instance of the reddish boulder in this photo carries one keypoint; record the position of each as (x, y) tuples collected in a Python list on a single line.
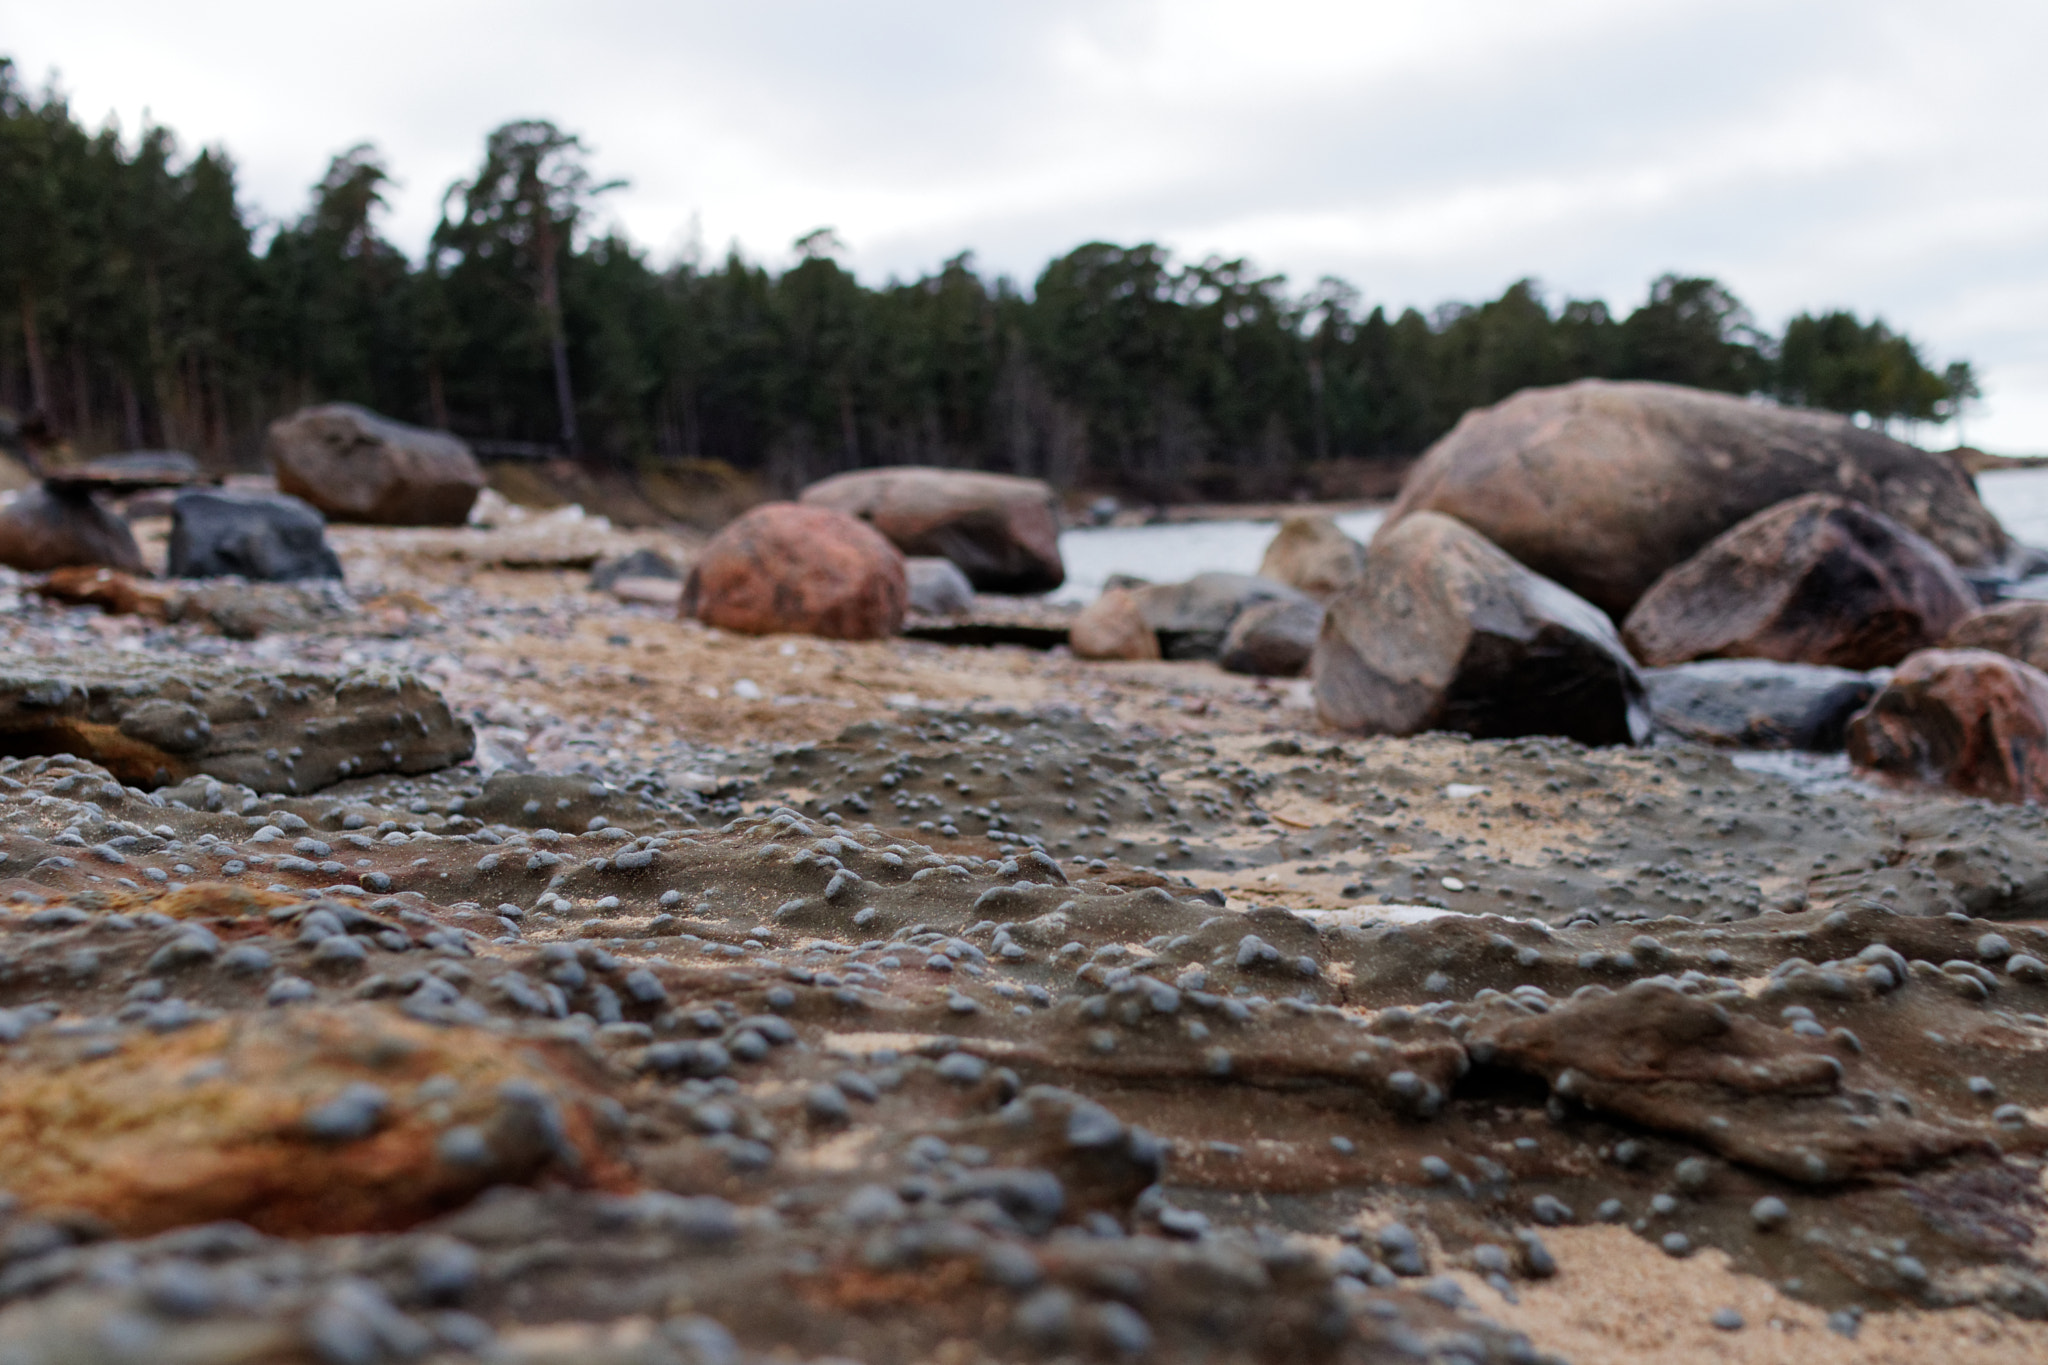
[(1816, 579), (1445, 632), (1003, 531), (1113, 627), (44, 529), (1966, 719), (354, 465), (2018, 630), (1603, 486), (808, 570)]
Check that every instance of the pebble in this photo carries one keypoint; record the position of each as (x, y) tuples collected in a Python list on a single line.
[(1727, 1320), (1769, 1213)]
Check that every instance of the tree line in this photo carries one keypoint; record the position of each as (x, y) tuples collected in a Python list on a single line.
[(145, 307)]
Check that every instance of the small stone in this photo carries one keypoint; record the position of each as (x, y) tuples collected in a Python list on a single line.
[(1676, 1244), (1727, 1320), (1769, 1213), (351, 1115)]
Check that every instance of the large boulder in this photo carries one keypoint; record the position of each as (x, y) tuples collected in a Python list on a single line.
[(1817, 579), (45, 529), (1603, 486), (354, 465), (1273, 639), (1446, 632), (2016, 629), (1757, 704), (808, 570), (1193, 619), (1113, 627), (1313, 555), (1003, 531), (1966, 719), (267, 537), (158, 720)]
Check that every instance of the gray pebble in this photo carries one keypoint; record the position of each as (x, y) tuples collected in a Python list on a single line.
[(1727, 1319), (1769, 1213)]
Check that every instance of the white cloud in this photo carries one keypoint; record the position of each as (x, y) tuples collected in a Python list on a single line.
[(1878, 154)]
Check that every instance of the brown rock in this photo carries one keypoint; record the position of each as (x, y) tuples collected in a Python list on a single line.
[(1603, 486), (354, 465), (1818, 579), (789, 567), (1003, 531), (1682, 1065), (1966, 719), (1445, 632), (2018, 630), (253, 1117), (43, 529), (1313, 555), (1113, 627)]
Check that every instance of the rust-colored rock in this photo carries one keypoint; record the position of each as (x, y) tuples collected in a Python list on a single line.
[(1966, 719), (809, 570), (1445, 632), (1003, 531), (355, 465), (112, 591), (1603, 486), (46, 529), (2018, 630), (1817, 579), (1313, 555), (249, 1117), (1113, 627)]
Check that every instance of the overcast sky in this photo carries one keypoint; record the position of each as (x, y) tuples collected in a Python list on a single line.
[(1874, 154)]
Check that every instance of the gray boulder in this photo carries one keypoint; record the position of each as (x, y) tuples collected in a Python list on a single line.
[(1757, 704), (265, 537), (158, 721), (1273, 639), (937, 586), (1445, 632), (354, 465), (1193, 619)]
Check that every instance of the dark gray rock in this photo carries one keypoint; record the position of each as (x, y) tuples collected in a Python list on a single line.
[(1274, 639), (1756, 704), (268, 537)]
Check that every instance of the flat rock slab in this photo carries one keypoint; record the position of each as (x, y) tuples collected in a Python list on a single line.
[(155, 722)]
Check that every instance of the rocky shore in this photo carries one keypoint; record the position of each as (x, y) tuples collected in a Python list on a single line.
[(482, 961)]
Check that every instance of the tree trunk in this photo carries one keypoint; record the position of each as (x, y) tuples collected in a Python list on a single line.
[(558, 343), (32, 345)]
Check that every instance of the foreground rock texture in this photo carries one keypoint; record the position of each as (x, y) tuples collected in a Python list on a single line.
[(158, 721), (1445, 632), (1756, 704), (1603, 486), (307, 1121), (1966, 719), (1003, 531), (1817, 579), (355, 465), (44, 529), (2018, 630), (1313, 555), (786, 567), (1113, 626), (269, 538)]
